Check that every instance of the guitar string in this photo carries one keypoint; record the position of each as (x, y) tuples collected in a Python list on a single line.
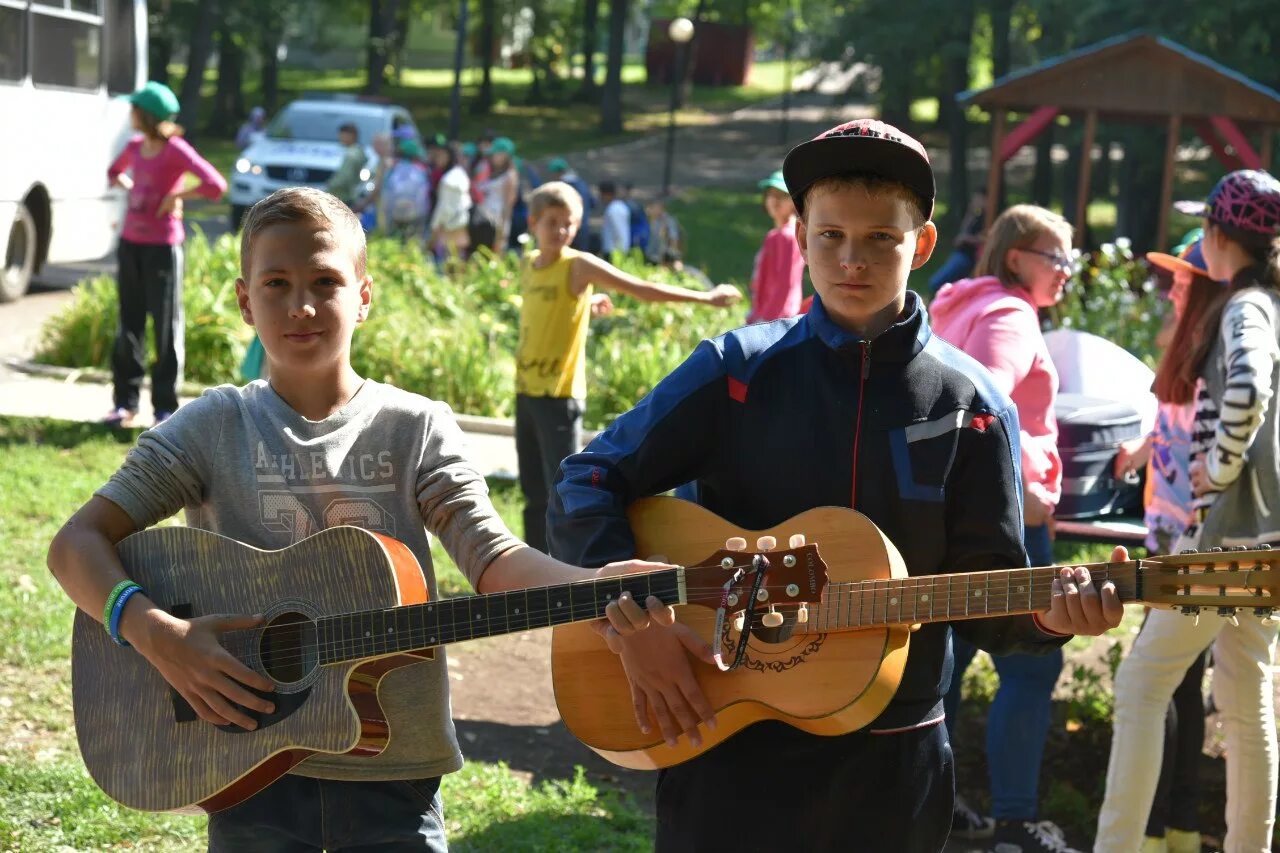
[(588, 610)]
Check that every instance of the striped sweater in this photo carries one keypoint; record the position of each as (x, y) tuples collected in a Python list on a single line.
[(1237, 429)]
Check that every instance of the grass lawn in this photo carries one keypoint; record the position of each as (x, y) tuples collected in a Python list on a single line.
[(50, 468)]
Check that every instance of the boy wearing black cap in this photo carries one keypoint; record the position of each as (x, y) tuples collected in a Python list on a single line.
[(854, 404)]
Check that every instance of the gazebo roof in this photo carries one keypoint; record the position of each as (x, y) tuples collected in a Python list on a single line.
[(1134, 76)]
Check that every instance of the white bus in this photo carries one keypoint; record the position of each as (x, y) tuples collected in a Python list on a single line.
[(62, 64)]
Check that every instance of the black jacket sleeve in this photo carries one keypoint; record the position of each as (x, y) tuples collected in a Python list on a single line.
[(668, 439), (984, 529)]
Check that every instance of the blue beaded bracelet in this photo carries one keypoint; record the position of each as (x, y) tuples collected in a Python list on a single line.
[(113, 627)]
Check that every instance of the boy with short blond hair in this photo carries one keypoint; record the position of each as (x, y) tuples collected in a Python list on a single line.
[(272, 463), (557, 287), (873, 412)]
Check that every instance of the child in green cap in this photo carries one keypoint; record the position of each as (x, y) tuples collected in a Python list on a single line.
[(149, 281), (778, 274)]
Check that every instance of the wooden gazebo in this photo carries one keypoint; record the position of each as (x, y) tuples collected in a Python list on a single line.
[(1135, 78)]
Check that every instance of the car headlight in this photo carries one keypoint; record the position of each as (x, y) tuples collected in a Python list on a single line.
[(365, 174), (244, 167)]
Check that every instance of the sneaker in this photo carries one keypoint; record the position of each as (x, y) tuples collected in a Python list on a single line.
[(968, 824), (1016, 836), (162, 416), (1182, 841), (119, 417)]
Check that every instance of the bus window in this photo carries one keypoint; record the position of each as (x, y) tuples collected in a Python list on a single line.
[(122, 50), (13, 31), (65, 51)]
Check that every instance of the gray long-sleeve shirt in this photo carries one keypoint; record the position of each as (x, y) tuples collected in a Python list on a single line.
[(244, 464)]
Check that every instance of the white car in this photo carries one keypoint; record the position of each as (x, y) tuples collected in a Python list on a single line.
[(300, 147)]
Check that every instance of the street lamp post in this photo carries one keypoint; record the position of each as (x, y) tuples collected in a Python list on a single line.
[(680, 32)]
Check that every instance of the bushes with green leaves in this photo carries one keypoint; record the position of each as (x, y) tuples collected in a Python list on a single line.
[(449, 338)]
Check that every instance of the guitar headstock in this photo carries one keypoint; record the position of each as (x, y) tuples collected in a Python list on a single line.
[(795, 575), (1226, 580)]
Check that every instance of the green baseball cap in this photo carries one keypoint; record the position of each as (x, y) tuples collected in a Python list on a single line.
[(156, 99), (774, 181), (558, 164), (410, 148), (502, 145)]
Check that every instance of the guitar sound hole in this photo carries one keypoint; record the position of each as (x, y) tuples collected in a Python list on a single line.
[(288, 648)]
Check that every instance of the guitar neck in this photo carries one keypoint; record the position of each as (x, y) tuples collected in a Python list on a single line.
[(949, 598), (414, 627)]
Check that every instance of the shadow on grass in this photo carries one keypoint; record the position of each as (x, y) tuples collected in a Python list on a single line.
[(550, 753), (541, 831), (66, 435)]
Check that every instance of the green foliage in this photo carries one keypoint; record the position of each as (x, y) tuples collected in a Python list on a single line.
[(1115, 298), (451, 339)]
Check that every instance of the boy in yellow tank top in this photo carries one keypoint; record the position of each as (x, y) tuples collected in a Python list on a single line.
[(557, 286)]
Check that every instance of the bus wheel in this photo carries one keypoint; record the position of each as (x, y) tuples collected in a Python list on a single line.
[(19, 256)]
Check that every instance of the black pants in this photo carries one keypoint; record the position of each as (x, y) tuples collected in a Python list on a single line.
[(772, 787), (149, 282), (1177, 801), (547, 430)]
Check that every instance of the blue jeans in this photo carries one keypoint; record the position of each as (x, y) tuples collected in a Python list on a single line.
[(958, 265), (1018, 722), (296, 814)]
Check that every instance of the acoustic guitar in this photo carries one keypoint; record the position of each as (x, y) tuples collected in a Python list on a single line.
[(830, 665), (343, 608)]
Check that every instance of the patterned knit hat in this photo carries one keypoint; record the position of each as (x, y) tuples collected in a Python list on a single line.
[(1248, 199)]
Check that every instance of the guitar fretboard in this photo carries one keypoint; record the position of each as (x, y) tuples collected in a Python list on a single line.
[(947, 598), (372, 633)]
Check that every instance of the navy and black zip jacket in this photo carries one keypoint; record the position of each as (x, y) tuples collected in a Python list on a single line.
[(777, 418)]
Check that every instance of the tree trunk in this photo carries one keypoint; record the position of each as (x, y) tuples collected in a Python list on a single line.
[(398, 37), (611, 98), (376, 65), (199, 45), (459, 57), (159, 49), (268, 47), (483, 104), (1001, 15), (955, 72), (589, 90), (228, 100)]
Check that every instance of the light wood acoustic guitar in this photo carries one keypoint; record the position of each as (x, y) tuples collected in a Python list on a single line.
[(343, 608), (830, 666)]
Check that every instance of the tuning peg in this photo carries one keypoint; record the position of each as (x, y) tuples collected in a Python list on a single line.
[(1216, 549), (1193, 611), (772, 619), (1186, 551), (766, 543), (1239, 547), (1264, 547), (796, 540), (1264, 613), (802, 614), (737, 623), (1230, 614), (736, 543)]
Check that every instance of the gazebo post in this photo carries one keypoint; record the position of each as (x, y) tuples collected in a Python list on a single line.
[(1086, 174), (996, 173), (1267, 145), (1166, 181)]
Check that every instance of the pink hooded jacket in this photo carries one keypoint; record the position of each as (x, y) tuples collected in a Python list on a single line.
[(999, 327)]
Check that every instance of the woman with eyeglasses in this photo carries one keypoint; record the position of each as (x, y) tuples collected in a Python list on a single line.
[(994, 317)]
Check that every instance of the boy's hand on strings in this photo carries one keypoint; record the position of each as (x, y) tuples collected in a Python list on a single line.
[(624, 617), (190, 656), (1080, 606), (724, 295), (664, 690), (1200, 482)]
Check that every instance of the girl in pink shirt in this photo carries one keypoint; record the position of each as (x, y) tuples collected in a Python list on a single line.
[(152, 168), (1025, 265), (778, 275)]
